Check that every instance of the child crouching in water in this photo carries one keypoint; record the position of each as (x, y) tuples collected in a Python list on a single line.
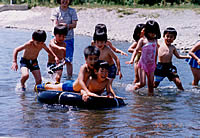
[(99, 81), (147, 62)]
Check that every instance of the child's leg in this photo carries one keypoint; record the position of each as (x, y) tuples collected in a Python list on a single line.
[(24, 76), (196, 75), (57, 87), (156, 83), (142, 78), (136, 73), (69, 69), (178, 83), (37, 76), (150, 78), (58, 75)]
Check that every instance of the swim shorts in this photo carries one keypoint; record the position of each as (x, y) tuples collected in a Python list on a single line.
[(165, 70), (112, 71), (69, 50), (68, 86), (137, 57), (53, 65), (30, 64)]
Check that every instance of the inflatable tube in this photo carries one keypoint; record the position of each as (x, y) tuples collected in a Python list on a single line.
[(75, 99)]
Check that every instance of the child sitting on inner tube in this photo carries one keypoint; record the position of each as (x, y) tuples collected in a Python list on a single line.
[(99, 81)]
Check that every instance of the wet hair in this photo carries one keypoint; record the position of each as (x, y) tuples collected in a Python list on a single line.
[(101, 64), (59, 2), (170, 30), (39, 35), (137, 31), (100, 33), (60, 29), (152, 26), (91, 50)]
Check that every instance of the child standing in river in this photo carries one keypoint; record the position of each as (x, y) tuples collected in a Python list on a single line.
[(194, 63), (147, 62), (165, 53), (66, 16), (138, 33)]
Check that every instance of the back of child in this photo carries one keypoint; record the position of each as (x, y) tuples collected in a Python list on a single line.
[(100, 39), (147, 62), (194, 63), (138, 33), (57, 45)]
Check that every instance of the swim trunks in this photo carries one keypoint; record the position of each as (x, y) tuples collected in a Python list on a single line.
[(192, 62), (68, 86), (69, 50), (165, 70), (53, 65), (137, 57), (30, 64), (112, 71)]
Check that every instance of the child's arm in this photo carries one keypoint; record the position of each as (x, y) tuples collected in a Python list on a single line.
[(132, 47), (54, 45), (15, 53), (69, 26), (179, 56), (138, 47), (109, 89), (194, 49), (115, 49), (117, 63), (49, 51)]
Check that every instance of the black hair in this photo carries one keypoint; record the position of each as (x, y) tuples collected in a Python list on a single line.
[(91, 50), (59, 2), (170, 30), (101, 28), (152, 26), (60, 29), (39, 35), (100, 33), (101, 64), (137, 31)]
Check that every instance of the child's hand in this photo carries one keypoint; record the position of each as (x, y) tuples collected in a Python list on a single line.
[(57, 60), (14, 66), (198, 61), (129, 62), (85, 97), (120, 74)]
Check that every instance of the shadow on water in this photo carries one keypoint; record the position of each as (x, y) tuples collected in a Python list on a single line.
[(169, 113)]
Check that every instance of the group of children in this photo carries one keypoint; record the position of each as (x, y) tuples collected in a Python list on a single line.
[(101, 64)]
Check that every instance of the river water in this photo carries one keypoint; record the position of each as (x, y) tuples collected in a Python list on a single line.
[(168, 113)]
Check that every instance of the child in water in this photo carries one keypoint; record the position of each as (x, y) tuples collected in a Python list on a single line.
[(147, 62), (58, 46), (108, 43), (138, 33), (165, 53), (194, 63), (29, 58)]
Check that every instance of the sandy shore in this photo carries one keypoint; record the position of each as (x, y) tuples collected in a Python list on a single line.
[(120, 26)]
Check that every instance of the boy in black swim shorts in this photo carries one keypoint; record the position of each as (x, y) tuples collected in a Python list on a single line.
[(164, 67)]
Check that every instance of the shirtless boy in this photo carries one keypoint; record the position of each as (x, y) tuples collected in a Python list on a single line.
[(58, 46), (91, 54), (29, 58), (165, 52)]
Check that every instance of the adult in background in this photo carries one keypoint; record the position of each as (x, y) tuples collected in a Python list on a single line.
[(67, 16)]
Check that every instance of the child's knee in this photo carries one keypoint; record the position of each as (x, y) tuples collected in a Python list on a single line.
[(38, 81), (25, 76)]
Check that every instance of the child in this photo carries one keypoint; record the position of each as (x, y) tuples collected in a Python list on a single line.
[(57, 45), (147, 62), (138, 33), (99, 81), (106, 54), (67, 16), (87, 70), (165, 52), (194, 63), (102, 27), (29, 59)]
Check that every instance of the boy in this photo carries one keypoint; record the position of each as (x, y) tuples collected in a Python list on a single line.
[(106, 54), (99, 81), (165, 52), (29, 59), (91, 54), (57, 45)]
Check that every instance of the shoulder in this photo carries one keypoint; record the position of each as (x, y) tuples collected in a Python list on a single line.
[(108, 43), (29, 43), (72, 10)]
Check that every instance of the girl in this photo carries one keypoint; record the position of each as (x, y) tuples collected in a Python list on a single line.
[(194, 63), (138, 33), (147, 62), (66, 16)]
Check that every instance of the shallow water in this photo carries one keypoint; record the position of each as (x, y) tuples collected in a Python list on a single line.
[(169, 113)]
